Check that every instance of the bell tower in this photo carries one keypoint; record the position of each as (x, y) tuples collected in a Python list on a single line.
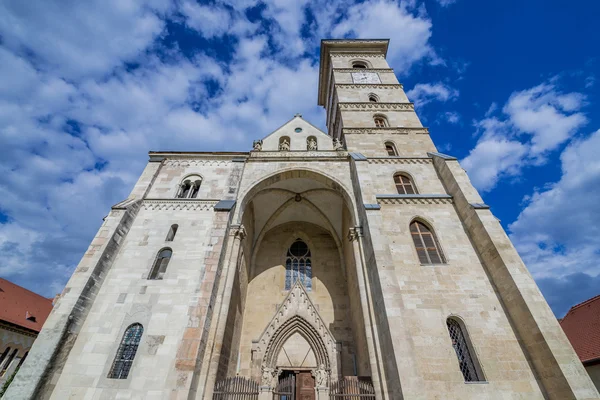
[(366, 105)]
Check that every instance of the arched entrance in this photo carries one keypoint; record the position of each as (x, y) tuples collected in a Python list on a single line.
[(298, 316)]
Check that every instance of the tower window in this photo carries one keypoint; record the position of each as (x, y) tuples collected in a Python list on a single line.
[(126, 352), (466, 362), (359, 64), (426, 244), (404, 184), (172, 233), (160, 264), (391, 149), (380, 121), (373, 98), (298, 266), (189, 188)]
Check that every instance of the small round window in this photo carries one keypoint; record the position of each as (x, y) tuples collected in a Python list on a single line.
[(298, 130)]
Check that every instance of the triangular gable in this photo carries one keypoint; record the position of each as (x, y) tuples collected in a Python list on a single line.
[(297, 139)]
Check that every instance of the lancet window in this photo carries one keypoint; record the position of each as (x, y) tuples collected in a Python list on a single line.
[(298, 265), (380, 121), (404, 184), (426, 244), (391, 149), (189, 188), (359, 64), (172, 233), (126, 352), (160, 264), (466, 362)]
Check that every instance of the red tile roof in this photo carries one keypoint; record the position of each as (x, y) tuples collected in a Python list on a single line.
[(582, 326), (17, 304)]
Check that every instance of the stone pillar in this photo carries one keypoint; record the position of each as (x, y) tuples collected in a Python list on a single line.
[(322, 393), (266, 393), (210, 364), (355, 235)]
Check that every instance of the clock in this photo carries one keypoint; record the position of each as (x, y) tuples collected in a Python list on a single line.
[(365, 77)]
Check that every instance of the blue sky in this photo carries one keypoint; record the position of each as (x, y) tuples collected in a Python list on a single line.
[(511, 88)]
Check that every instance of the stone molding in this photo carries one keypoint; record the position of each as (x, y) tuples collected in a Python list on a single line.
[(300, 154), (399, 160), (363, 70), (178, 204), (414, 199), (377, 106), (392, 130), (369, 86), (357, 55), (355, 233), (195, 163), (297, 313)]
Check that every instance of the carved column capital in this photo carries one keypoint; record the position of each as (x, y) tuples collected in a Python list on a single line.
[(355, 233), (238, 231)]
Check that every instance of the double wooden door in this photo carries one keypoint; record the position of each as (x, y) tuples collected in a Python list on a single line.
[(295, 385)]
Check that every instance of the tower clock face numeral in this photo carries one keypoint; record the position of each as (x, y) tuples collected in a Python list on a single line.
[(365, 77)]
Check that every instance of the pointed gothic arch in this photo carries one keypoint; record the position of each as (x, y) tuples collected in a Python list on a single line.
[(297, 314)]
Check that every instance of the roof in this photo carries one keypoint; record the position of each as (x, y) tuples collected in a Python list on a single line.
[(18, 303), (582, 326)]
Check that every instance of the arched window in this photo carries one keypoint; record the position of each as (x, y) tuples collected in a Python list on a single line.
[(373, 98), (189, 188), (467, 364), (426, 244), (298, 265), (172, 232), (391, 149), (126, 352), (8, 361), (4, 355), (160, 265), (360, 64), (404, 184), (380, 121)]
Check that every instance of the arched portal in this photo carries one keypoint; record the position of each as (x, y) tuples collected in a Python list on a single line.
[(295, 328)]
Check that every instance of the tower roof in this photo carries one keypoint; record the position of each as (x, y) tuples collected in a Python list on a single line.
[(379, 46), (582, 326)]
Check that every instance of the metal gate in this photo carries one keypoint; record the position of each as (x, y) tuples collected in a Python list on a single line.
[(286, 388), (352, 388), (236, 388)]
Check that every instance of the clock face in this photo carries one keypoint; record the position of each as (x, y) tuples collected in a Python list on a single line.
[(365, 77)]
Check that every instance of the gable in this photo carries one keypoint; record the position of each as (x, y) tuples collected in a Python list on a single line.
[(298, 131)]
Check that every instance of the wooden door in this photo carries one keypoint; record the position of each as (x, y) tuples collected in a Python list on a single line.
[(305, 386)]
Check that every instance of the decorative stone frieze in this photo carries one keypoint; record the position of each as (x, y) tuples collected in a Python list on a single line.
[(356, 55), (414, 199), (368, 86), (196, 163), (302, 155), (377, 106), (384, 70), (178, 204), (392, 130), (399, 160)]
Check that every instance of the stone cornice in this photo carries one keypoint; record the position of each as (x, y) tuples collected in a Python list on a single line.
[(356, 55), (398, 160), (377, 106), (369, 85), (186, 162), (386, 70), (298, 155), (414, 199), (393, 130), (179, 204)]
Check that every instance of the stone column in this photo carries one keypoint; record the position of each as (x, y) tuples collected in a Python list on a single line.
[(355, 235), (322, 393), (210, 364)]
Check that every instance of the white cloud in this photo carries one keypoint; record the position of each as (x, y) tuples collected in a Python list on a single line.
[(425, 93), (446, 3), (536, 121), (452, 117), (557, 232)]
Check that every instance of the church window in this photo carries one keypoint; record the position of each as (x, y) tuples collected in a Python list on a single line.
[(426, 244), (8, 362), (391, 149), (298, 266), (160, 264), (373, 98), (380, 121), (466, 362), (126, 352), (4, 355), (359, 64), (189, 188), (404, 184), (172, 233)]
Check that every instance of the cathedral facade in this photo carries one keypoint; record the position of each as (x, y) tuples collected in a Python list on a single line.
[(315, 266)]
